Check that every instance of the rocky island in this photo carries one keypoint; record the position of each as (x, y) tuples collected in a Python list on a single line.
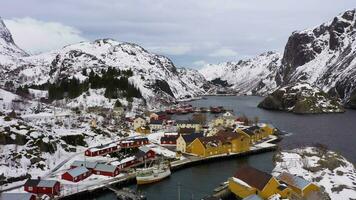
[(301, 98)]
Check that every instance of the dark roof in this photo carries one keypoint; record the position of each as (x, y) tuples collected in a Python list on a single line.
[(186, 130), (188, 138), (253, 177), (156, 122), (87, 164), (140, 154), (172, 138), (139, 139), (32, 182), (161, 113)]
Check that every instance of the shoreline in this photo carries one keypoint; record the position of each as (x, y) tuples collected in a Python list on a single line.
[(130, 178)]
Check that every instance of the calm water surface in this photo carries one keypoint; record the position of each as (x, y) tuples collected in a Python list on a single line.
[(337, 131)]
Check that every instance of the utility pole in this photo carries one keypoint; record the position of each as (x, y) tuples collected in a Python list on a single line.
[(178, 191)]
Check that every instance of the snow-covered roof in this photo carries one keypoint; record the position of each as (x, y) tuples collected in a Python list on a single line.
[(144, 149), (47, 183), (105, 168), (87, 164), (78, 171), (253, 197), (16, 196), (292, 180)]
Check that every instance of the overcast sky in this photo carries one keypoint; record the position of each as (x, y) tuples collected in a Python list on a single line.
[(190, 32)]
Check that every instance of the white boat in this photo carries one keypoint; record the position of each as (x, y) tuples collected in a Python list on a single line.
[(152, 174)]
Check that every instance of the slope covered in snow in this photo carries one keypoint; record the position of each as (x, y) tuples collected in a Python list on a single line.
[(252, 76), (10, 53), (155, 75), (326, 168)]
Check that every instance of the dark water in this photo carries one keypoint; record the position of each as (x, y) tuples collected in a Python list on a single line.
[(337, 131)]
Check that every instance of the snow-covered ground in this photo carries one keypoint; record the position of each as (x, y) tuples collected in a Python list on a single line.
[(321, 166)]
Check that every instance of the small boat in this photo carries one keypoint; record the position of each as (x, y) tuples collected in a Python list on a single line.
[(153, 174)]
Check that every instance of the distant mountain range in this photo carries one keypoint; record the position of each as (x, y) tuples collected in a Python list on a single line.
[(323, 57)]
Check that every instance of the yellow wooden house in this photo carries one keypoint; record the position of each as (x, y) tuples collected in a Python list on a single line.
[(189, 124), (257, 133), (301, 188), (143, 130), (249, 181), (222, 143)]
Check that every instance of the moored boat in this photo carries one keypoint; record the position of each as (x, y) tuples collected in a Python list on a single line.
[(152, 174)]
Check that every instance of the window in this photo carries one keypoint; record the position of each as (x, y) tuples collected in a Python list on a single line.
[(30, 188)]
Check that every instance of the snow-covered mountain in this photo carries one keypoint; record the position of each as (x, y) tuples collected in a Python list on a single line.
[(10, 53), (324, 56), (154, 75), (255, 75)]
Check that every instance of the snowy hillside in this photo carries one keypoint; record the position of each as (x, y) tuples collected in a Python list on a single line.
[(10, 54), (324, 56), (156, 76), (252, 76), (327, 169)]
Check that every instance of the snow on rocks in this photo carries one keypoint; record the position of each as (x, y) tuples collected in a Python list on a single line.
[(325, 168)]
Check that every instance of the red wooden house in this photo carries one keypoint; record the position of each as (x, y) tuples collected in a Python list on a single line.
[(143, 154), (169, 139), (106, 170), (76, 174), (87, 164), (134, 142), (38, 186), (102, 150)]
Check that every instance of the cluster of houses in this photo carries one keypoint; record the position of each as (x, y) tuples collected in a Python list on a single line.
[(223, 135), (80, 170), (249, 183)]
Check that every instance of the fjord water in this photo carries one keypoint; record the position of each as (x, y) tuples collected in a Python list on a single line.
[(337, 131)]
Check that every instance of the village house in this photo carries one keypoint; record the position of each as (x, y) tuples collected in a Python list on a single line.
[(249, 181), (169, 139), (301, 188), (106, 170), (102, 150), (38, 186), (134, 142), (215, 130), (189, 124), (156, 125), (226, 120), (257, 133), (183, 141), (183, 131), (222, 143), (138, 122), (76, 174), (159, 116), (143, 130), (87, 164), (17, 196)]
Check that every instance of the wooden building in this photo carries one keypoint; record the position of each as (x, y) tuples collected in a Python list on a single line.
[(139, 121), (144, 130), (106, 170), (102, 150), (169, 140), (300, 186), (133, 142), (250, 181), (223, 143), (38, 186), (184, 140), (189, 124), (76, 174)]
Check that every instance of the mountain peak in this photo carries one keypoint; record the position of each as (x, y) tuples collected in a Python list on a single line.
[(5, 33)]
